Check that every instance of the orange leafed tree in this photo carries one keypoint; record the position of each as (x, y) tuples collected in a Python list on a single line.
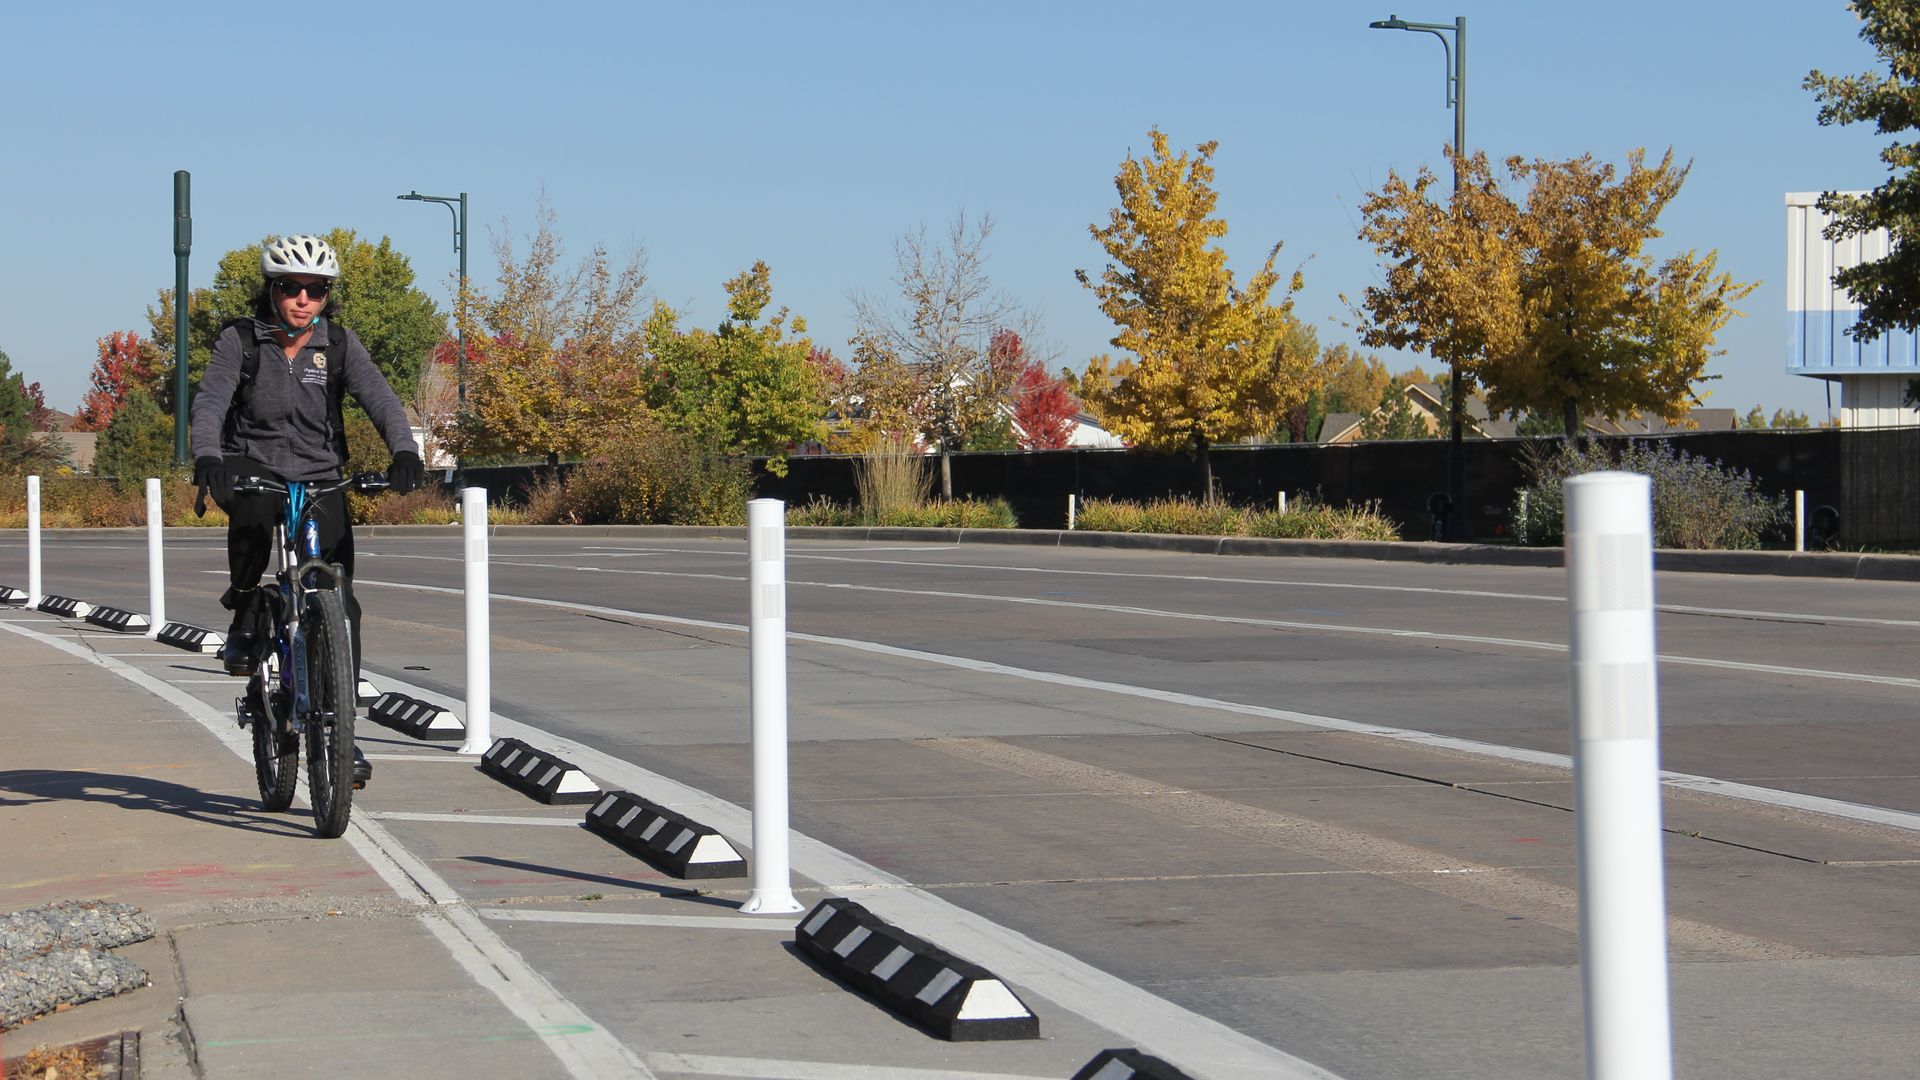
[(121, 368)]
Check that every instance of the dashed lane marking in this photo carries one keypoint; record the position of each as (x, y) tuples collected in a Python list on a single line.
[(761, 1069), (1230, 620), (477, 819), (1880, 815), (620, 918)]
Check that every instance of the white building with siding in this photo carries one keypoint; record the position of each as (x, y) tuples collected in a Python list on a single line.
[(1873, 375)]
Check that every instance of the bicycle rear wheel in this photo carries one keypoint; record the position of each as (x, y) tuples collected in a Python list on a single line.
[(331, 704), (276, 753)]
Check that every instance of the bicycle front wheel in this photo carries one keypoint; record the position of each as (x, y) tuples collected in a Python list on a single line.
[(329, 722)]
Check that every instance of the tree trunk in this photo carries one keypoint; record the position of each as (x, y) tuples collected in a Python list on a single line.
[(1571, 415), (1206, 468), (946, 473)]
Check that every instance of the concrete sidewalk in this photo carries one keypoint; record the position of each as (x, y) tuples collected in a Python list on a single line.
[(450, 933), (276, 953)]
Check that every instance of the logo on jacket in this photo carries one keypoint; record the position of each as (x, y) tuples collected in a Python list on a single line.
[(320, 360)]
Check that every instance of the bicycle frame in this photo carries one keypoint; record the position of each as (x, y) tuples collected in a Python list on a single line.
[(300, 572)]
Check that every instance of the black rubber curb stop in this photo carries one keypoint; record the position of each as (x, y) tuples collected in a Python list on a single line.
[(113, 618), (12, 596), (674, 843), (1128, 1065), (191, 638), (955, 999), (415, 718), (537, 773), (65, 606)]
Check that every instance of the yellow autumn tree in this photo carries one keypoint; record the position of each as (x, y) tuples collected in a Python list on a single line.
[(1209, 361), (1451, 276), (1551, 301)]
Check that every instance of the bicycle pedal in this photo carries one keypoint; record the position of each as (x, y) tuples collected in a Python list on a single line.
[(242, 712)]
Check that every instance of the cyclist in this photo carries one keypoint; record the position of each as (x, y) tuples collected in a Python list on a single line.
[(269, 405)]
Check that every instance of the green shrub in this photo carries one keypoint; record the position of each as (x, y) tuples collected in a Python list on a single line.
[(957, 514), (1310, 520), (822, 512), (648, 476), (137, 443), (1182, 517), (429, 505), (1697, 504), (1305, 519)]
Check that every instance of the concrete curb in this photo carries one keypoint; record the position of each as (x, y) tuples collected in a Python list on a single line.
[(1850, 565)]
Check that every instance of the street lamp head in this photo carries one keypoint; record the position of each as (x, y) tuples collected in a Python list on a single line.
[(411, 195), (1391, 22)]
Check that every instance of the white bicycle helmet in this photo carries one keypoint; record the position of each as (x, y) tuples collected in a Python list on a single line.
[(299, 255)]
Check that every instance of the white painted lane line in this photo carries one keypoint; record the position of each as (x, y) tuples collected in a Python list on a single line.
[(475, 819), (1292, 583), (229, 680), (445, 758), (1769, 796), (617, 918), (1236, 620), (587, 1050), (762, 1069)]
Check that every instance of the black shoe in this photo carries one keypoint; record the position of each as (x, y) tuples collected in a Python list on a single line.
[(362, 769), (240, 655)]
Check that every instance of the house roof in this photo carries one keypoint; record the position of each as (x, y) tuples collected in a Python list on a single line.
[(1339, 427)]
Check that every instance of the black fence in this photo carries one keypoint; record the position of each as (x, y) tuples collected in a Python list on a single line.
[(1871, 477)]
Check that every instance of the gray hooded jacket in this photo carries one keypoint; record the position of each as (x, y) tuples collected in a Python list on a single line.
[(288, 425)]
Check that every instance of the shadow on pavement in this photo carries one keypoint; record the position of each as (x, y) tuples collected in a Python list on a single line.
[(676, 892), (142, 793)]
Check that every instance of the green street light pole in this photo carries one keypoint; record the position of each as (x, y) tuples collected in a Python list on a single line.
[(458, 208), (1457, 99), (182, 247)]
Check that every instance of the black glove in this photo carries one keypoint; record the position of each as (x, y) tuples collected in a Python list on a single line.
[(406, 472), (211, 476)]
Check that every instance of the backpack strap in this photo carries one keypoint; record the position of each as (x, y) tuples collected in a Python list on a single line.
[(337, 387)]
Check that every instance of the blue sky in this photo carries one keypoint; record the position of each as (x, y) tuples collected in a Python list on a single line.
[(812, 135)]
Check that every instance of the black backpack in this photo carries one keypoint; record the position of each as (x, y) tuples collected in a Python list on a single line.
[(250, 368)]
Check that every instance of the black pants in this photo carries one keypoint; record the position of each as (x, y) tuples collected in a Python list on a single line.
[(250, 521)]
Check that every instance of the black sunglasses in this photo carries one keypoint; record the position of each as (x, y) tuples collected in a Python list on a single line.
[(289, 288)]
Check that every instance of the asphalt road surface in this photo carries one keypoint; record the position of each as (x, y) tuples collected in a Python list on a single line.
[(1323, 803)]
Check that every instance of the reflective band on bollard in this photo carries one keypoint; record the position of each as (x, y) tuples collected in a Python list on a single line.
[(767, 644), (1616, 772), (473, 527), (33, 541), (156, 571)]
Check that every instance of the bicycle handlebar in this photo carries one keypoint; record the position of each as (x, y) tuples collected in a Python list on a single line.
[(366, 483)]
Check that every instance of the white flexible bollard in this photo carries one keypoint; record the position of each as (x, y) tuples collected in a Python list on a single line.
[(1283, 502), (1616, 773), (473, 527), (33, 541), (1071, 515), (156, 570), (767, 647), (1799, 520)]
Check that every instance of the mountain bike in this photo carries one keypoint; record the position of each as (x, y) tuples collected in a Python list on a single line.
[(302, 688)]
